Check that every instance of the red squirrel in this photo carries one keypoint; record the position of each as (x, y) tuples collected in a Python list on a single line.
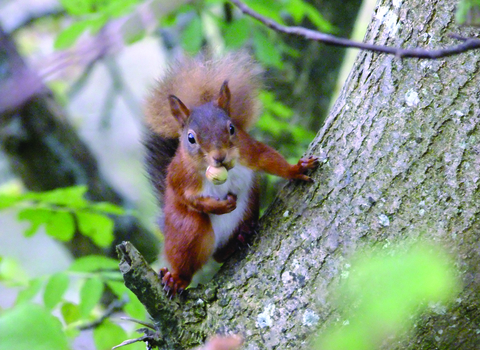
[(198, 116)]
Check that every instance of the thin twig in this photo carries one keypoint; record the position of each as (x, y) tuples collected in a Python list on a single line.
[(466, 45), (115, 306)]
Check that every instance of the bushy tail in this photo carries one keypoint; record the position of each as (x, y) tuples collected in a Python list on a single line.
[(196, 81)]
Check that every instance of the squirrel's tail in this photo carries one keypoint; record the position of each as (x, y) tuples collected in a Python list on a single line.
[(196, 81), (159, 153)]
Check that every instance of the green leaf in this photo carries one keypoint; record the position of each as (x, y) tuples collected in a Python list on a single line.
[(267, 8), (69, 35), (90, 294), (12, 273), (55, 289), (134, 308), (468, 12), (92, 263), (8, 200), (97, 23), (192, 36), (31, 327), (37, 217), (78, 7), (317, 19), (237, 33), (265, 50), (60, 225), (118, 288), (70, 312), (107, 335), (115, 8), (388, 290), (67, 196), (96, 226), (108, 208), (30, 292)]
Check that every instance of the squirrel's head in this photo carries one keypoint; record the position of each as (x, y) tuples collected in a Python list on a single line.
[(208, 134)]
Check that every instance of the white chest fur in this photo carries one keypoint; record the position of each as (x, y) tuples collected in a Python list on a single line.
[(239, 182)]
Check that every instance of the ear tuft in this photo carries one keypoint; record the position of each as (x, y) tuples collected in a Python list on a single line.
[(179, 110), (224, 97)]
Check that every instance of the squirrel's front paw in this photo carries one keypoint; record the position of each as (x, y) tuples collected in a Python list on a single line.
[(224, 206), (303, 165), (231, 202)]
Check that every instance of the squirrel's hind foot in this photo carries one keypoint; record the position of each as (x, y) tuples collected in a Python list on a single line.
[(172, 284)]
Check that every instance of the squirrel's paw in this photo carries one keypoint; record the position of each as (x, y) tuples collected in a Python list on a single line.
[(172, 284), (303, 165), (231, 202)]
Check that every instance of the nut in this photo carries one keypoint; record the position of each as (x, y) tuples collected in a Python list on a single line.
[(217, 175)]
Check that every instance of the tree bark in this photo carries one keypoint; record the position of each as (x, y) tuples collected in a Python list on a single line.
[(400, 159), (45, 152)]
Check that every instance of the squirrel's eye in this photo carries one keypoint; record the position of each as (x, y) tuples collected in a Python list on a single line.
[(191, 138), (232, 129)]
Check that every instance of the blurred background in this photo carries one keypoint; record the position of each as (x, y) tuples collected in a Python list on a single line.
[(73, 78)]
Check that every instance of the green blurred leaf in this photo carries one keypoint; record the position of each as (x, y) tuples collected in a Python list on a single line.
[(265, 50), (107, 335), (30, 292), (108, 208), (78, 7), (31, 327), (92, 263), (69, 35), (56, 287), (118, 288), (8, 200), (60, 225), (192, 36), (268, 8), (134, 308), (90, 294), (36, 216), (96, 226), (72, 197), (237, 33), (115, 8), (388, 289), (468, 12), (70, 312), (317, 19), (12, 273), (98, 22)]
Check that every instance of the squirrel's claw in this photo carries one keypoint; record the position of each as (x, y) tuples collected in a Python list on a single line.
[(171, 285)]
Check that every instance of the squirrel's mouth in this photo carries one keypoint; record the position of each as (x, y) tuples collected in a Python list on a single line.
[(229, 165)]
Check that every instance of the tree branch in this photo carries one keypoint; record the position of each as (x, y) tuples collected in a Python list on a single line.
[(467, 44), (175, 321)]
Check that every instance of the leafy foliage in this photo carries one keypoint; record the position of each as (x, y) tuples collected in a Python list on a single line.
[(62, 211), (31, 327), (92, 15), (35, 325), (468, 12), (388, 289)]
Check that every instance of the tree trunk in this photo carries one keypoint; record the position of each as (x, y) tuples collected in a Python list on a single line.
[(45, 152), (400, 159)]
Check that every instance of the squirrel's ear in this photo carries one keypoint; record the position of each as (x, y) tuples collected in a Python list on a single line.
[(224, 97), (179, 110)]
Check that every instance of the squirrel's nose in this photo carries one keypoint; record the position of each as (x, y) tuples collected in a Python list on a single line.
[(218, 159)]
